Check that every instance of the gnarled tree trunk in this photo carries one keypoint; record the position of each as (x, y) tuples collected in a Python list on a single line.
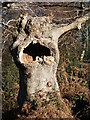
[(36, 54)]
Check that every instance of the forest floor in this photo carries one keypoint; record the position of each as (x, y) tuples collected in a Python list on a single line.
[(75, 94)]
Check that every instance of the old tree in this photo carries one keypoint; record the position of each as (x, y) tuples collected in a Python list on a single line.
[(36, 54)]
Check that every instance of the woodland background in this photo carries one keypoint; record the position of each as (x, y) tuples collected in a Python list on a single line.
[(73, 70)]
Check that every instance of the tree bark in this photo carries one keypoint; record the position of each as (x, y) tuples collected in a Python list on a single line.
[(36, 54), (76, 24)]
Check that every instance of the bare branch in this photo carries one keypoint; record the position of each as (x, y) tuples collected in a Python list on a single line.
[(57, 32), (6, 24)]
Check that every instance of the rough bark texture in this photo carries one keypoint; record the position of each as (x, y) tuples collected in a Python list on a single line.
[(37, 54)]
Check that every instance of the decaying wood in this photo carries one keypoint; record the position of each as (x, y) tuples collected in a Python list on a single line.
[(36, 52), (38, 55)]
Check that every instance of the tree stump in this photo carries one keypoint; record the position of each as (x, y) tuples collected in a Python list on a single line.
[(36, 54)]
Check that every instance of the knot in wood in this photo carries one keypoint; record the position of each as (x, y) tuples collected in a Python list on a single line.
[(49, 84)]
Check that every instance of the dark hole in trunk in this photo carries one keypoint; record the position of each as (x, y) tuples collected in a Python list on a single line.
[(36, 50)]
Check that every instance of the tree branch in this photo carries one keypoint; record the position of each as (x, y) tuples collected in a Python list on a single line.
[(57, 32)]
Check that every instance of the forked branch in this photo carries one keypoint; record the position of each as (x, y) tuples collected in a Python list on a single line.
[(76, 24)]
